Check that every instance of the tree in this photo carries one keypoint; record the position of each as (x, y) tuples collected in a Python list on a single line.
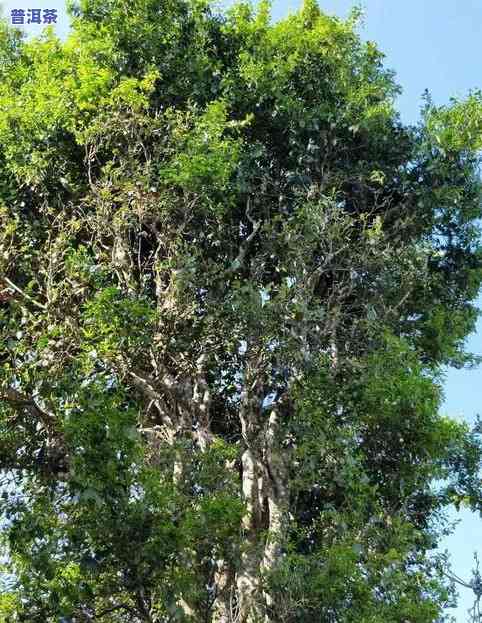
[(230, 279)]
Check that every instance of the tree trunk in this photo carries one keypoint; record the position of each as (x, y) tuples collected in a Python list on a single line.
[(277, 500), (248, 580)]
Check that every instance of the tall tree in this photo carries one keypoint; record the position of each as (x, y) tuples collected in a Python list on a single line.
[(230, 279)]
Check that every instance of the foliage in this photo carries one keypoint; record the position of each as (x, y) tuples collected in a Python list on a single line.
[(230, 278)]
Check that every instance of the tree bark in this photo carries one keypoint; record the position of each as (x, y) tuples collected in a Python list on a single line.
[(277, 501)]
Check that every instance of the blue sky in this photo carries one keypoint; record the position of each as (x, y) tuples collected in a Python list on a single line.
[(434, 45)]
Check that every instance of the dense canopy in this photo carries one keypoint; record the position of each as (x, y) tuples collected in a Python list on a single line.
[(230, 280)]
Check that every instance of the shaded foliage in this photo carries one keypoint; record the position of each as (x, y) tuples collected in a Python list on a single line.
[(230, 278)]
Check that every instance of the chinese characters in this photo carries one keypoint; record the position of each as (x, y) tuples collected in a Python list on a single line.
[(33, 16)]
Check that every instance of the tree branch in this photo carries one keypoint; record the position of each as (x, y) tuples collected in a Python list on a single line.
[(243, 249), (24, 294), (18, 400)]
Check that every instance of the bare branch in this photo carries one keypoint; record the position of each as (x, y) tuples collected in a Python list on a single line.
[(24, 294), (241, 257), (19, 401)]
